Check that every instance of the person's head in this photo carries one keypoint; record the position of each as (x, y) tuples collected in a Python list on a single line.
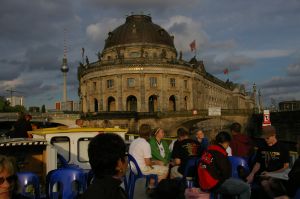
[(158, 133), (28, 117), (79, 122), (182, 134), (8, 178), (197, 132), (107, 155), (269, 135), (235, 127), (145, 131), (223, 138)]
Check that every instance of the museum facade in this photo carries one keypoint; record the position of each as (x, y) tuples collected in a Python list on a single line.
[(140, 70)]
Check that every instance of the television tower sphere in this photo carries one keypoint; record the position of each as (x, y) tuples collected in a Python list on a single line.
[(64, 67)]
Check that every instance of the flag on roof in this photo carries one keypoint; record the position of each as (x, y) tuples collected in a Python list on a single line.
[(225, 71), (193, 45)]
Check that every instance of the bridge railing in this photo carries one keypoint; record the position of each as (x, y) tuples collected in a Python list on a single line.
[(159, 114), (39, 116)]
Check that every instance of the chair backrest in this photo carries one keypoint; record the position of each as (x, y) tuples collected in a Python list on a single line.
[(90, 177), (29, 184), (68, 182), (191, 167), (297, 194), (134, 167), (235, 163)]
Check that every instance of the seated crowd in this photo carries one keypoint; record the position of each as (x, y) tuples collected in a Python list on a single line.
[(154, 156)]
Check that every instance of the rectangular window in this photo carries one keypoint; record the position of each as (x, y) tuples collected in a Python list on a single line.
[(110, 83), (83, 144), (153, 82), (172, 82), (63, 146), (130, 82), (185, 83)]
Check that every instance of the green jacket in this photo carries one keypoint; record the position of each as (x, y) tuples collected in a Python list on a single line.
[(156, 153)]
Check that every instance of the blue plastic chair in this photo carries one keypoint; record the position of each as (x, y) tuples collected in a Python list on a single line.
[(235, 162), (297, 196), (29, 184), (134, 174), (70, 182), (90, 177), (191, 165)]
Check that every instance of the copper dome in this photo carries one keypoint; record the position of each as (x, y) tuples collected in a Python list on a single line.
[(138, 29)]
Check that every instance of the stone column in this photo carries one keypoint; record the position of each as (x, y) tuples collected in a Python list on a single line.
[(180, 97), (142, 92), (101, 100), (163, 99), (119, 93), (194, 91)]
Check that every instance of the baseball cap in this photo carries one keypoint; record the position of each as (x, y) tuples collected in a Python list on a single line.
[(268, 131)]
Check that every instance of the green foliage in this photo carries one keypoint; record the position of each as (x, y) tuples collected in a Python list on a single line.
[(5, 106), (2, 103), (19, 109)]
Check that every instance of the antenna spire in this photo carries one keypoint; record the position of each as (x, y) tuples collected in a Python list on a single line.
[(65, 43)]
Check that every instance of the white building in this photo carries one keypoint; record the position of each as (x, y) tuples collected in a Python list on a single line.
[(16, 100)]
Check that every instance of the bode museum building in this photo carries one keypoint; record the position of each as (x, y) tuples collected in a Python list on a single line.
[(140, 70)]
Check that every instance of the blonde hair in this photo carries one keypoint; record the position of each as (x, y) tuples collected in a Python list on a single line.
[(7, 163)]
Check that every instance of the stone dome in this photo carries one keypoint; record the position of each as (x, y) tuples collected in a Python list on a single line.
[(139, 29)]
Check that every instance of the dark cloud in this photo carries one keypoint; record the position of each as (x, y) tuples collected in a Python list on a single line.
[(37, 87), (44, 57), (282, 82), (140, 5), (10, 69), (31, 21), (232, 62), (294, 70)]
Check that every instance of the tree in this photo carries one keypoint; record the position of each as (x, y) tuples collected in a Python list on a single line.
[(19, 108), (4, 105), (43, 108)]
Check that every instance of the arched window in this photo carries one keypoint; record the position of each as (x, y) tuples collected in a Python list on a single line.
[(172, 103), (131, 103), (111, 104), (153, 103), (96, 105)]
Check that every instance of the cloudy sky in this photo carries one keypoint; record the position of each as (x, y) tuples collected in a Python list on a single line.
[(258, 41)]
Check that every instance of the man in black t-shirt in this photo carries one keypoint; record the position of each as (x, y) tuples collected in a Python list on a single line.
[(185, 149), (273, 157)]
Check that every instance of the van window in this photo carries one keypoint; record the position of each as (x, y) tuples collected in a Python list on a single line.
[(83, 144), (62, 144)]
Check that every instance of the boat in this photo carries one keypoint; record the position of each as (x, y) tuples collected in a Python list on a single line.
[(52, 148)]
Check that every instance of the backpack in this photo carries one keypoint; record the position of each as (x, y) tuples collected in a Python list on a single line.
[(208, 175)]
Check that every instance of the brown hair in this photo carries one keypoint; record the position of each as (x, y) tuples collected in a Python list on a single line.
[(155, 131), (145, 131)]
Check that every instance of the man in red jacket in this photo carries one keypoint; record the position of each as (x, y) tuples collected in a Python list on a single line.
[(241, 144), (219, 168)]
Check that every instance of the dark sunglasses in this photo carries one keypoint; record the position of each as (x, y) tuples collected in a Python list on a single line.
[(9, 179)]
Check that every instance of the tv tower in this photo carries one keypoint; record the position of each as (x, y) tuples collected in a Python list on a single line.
[(64, 69)]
